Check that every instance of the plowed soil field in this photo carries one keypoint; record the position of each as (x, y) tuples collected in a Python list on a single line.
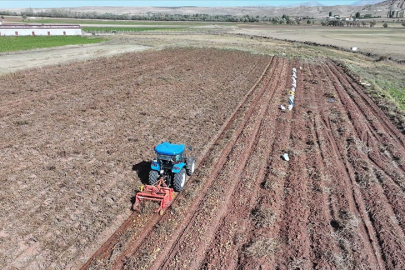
[(76, 142)]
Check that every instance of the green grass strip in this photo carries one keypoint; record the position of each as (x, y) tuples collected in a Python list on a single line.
[(8, 44)]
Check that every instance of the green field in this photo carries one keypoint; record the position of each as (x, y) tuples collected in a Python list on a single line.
[(133, 29), (8, 44)]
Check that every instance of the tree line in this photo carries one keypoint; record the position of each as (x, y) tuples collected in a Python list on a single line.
[(150, 16), (349, 23)]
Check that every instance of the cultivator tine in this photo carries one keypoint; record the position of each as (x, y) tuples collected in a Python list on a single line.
[(137, 204)]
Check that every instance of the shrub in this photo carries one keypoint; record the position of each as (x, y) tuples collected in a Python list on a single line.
[(262, 217), (385, 25), (262, 248)]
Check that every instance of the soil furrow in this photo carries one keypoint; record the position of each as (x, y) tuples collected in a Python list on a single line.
[(230, 235), (390, 235), (374, 121), (297, 233), (347, 224), (369, 108), (362, 171), (262, 231), (324, 248)]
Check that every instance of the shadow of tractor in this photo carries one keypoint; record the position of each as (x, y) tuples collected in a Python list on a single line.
[(142, 169)]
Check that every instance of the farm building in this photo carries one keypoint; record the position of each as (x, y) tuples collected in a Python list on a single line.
[(39, 30)]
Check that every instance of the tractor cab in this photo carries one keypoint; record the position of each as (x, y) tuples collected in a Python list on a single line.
[(172, 165)]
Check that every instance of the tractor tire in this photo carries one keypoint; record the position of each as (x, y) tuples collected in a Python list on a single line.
[(153, 177), (179, 180), (190, 166)]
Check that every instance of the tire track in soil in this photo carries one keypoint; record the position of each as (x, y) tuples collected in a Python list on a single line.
[(393, 150), (229, 236), (325, 159), (368, 231), (209, 213), (351, 227), (344, 236), (104, 254), (384, 232), (374, 121)]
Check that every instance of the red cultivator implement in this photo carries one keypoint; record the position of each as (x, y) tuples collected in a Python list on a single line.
[(159, 192)]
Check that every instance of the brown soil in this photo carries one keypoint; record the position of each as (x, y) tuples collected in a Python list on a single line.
[(67, 152), (76, 141)]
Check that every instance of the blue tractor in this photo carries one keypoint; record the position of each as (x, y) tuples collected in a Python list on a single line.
[(172, 165)]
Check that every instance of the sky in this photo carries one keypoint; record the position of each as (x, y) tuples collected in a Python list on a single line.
[(4, 4)]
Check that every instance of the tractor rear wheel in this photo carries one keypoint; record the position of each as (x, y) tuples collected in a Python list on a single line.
[(179, 180), (153, 177)]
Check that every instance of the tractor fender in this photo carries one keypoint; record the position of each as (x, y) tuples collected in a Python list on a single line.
[(155, 165), (177, 167)]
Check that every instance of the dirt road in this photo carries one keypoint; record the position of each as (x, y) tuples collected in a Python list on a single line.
[(15, 61)]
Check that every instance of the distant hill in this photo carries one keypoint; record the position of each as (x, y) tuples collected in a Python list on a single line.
[(365, 2), (306, 4), (312, 9)]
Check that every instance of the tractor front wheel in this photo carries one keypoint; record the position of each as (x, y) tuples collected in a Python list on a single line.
[(179, 180), (190, 166), (153, 177)]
